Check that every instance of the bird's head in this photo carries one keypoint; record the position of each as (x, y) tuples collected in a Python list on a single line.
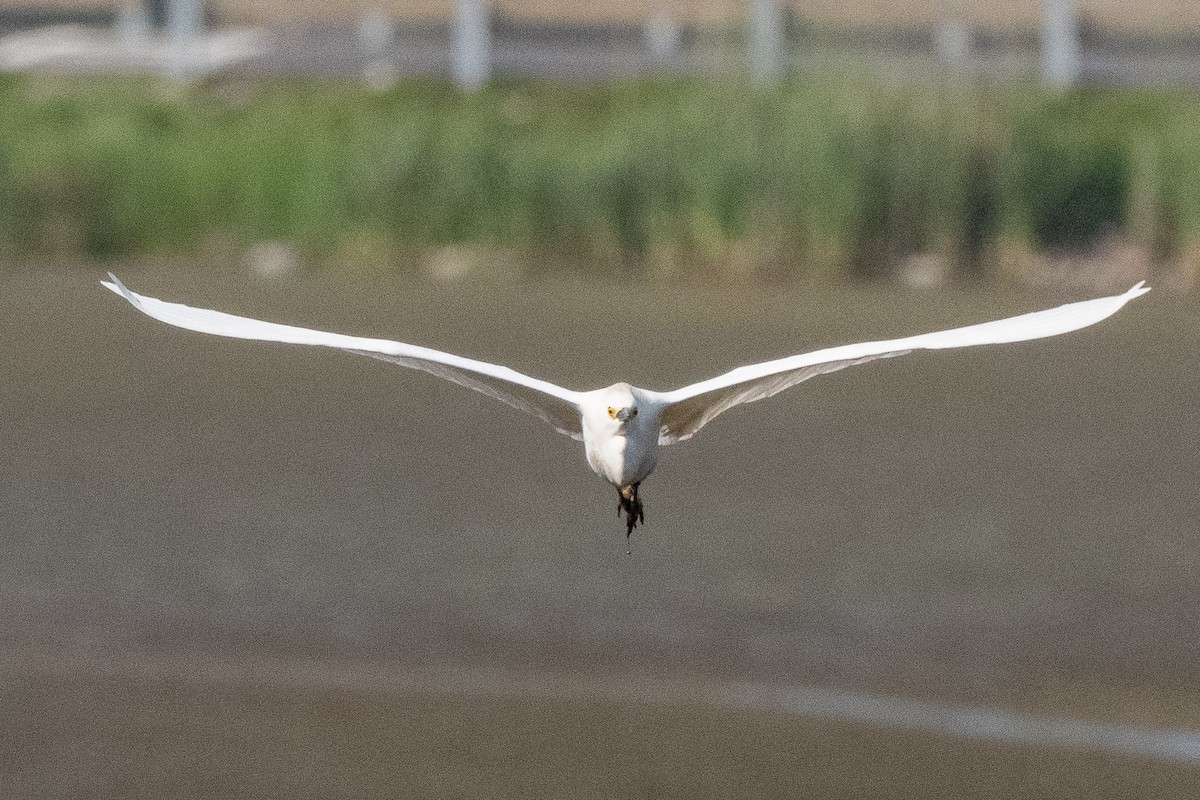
[(621, 406), (623, 414)]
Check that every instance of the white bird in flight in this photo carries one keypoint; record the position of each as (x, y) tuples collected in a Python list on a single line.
[(621, 426)]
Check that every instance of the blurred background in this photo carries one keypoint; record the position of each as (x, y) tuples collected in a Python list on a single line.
[(242, 570)]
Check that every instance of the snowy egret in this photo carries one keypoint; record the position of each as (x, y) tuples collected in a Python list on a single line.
[(621, 426)]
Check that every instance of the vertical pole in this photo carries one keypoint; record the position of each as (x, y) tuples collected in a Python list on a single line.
[(954, 44), (376, 39), (184, 19), (471, 40), (766, 41), (1060, 43), (661, 32), (133, 24)]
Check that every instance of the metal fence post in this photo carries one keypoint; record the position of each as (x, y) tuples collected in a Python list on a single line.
[(133, 25), (377, 40), (954, 44), (1060, 43), (661, 32), (184, 20), (766, 41), (471, 42)]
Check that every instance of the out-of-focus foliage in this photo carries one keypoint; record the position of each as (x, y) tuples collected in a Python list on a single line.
[(816, 176)]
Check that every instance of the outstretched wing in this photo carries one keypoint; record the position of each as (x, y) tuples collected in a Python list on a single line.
[(689, 409), (552, 404)]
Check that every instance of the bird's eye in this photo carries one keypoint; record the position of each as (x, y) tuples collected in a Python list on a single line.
[(633, 412), (612, 413)]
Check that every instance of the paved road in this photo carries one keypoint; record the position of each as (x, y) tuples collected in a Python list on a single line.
[(583, 52)]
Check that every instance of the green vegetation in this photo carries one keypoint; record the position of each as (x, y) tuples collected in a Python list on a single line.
[(819, 176)]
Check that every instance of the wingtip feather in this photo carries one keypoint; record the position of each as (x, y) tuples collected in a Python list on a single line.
[(114, 285), (1139, 289)]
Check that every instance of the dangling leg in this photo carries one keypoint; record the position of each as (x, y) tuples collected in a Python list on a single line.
[(629, 505)]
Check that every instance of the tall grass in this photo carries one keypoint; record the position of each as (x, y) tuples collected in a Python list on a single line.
[(820, 176)]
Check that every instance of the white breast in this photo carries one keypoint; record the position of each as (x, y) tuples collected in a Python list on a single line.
[(622, 455)]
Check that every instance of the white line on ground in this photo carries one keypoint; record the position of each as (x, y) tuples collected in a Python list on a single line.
[(832, 705)]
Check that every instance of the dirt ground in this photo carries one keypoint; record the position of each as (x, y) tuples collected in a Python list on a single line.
[(81, 736), (1009, 527)]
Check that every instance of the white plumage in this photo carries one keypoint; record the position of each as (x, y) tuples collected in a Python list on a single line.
[(622, 426)]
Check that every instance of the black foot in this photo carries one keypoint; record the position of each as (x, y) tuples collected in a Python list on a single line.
[(629, 505)]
